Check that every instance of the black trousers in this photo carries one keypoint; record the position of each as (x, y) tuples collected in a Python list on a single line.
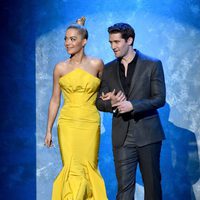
[(126, 160)]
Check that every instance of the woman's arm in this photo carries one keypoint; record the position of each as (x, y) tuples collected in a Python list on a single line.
[(100, 66), (53, 106)]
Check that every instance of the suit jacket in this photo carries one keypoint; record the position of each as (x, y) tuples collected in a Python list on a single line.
[(147, 93)]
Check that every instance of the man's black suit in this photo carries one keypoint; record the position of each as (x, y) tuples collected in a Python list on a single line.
[(147, 93)]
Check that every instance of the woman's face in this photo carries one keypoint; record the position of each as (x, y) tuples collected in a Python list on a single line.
[(74, 42)]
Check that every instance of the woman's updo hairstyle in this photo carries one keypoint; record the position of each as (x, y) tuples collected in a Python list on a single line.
[(79, 25)]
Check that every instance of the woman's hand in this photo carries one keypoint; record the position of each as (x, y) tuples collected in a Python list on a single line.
[(106, 96), (115, 98), (48, 140)]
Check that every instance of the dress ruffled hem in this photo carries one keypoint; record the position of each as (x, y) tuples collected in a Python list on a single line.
[(87, 185)]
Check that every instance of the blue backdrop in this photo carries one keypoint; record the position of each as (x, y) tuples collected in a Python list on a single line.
[(32, 43), (17, 101)]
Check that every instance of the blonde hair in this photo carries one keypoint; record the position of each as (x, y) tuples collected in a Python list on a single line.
[(81, 21), (79, 25)]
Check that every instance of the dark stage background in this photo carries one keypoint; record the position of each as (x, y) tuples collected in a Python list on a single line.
[(32, 43), (17, 101)]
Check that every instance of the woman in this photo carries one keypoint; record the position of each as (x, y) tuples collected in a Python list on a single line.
[(79, 120)]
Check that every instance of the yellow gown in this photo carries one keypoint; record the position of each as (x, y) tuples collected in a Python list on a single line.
[(78, 135)]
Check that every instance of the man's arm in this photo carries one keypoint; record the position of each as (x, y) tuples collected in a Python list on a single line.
[(158, 92), (103, 105)]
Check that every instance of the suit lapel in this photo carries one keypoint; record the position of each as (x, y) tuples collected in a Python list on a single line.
[(136, 74)]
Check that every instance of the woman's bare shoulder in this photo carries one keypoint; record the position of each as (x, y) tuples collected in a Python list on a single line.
[(97, 65), (61, 68), (96, 62), (61, 65)]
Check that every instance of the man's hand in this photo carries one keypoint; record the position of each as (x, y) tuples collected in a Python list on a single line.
[(115, 98), (124, 106)]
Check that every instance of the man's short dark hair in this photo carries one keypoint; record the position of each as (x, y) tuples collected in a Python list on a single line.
[(126, 30)]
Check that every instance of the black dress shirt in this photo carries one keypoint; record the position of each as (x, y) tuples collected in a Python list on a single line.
[(126, 80)]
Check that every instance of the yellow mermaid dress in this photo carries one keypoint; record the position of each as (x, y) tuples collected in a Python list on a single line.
[(78, 135)]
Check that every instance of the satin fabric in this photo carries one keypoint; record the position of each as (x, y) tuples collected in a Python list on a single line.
[(78, 135)]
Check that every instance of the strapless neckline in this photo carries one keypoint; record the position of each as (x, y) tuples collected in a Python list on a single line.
[(67, 74)]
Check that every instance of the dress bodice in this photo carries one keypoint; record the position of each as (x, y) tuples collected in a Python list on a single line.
[(79, 87)]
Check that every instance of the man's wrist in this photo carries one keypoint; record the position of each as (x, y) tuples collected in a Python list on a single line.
[(132, 106)]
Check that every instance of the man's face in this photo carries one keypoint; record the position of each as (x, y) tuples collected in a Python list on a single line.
[(119, 45)]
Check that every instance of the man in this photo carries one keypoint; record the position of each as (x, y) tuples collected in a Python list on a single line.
[(133, 87)]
